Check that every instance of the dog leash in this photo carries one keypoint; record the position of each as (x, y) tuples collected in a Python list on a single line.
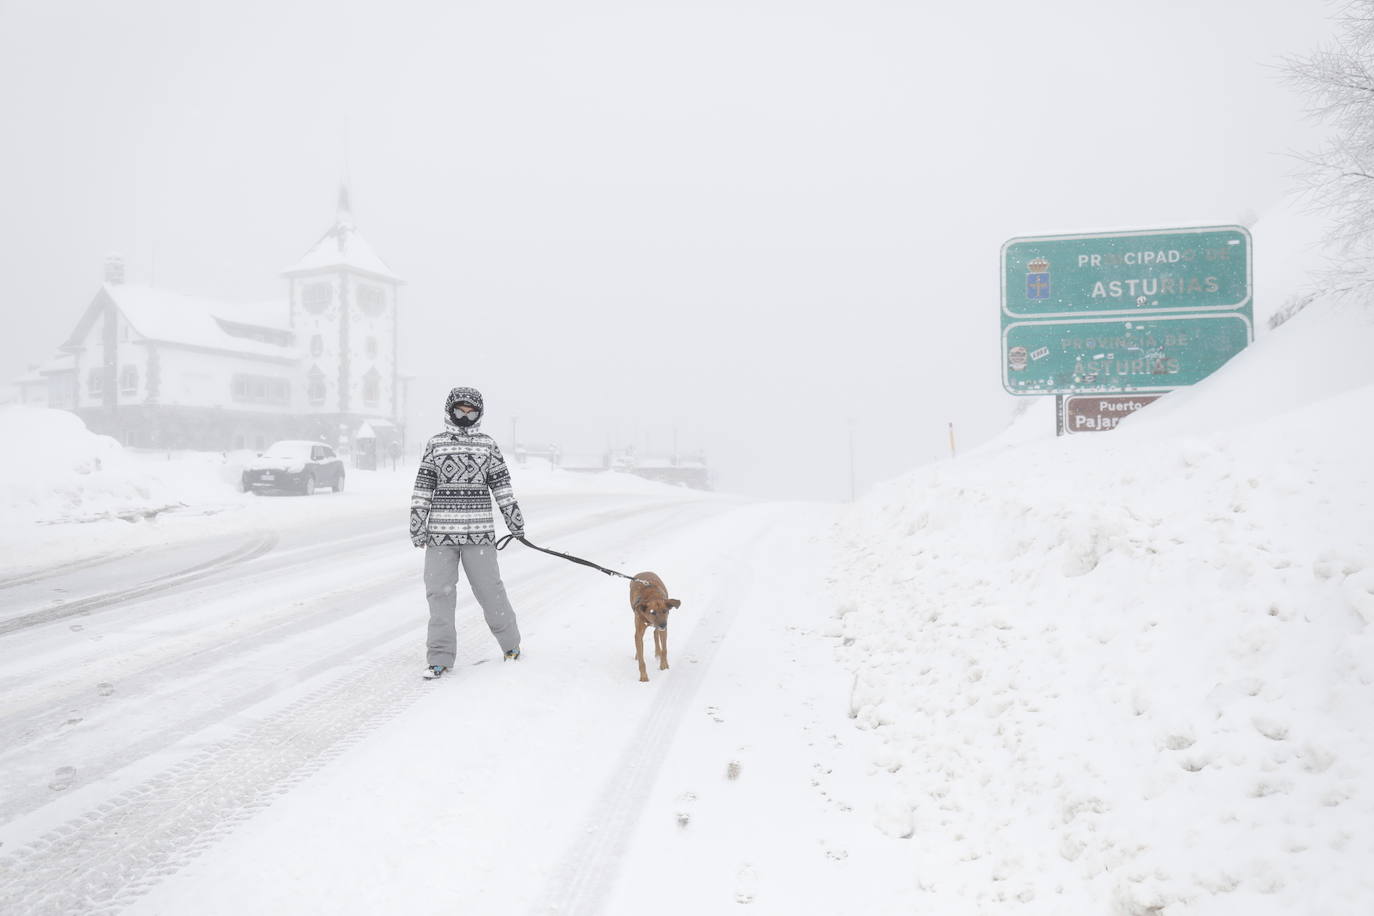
[(501, 545)]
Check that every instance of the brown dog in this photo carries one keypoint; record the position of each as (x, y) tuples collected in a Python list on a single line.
[(651, 604)]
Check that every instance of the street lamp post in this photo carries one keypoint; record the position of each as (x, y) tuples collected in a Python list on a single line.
[(851, 460), (403, 413)]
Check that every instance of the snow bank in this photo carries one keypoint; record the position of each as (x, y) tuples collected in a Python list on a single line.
[(53, 469), (1134, 673)]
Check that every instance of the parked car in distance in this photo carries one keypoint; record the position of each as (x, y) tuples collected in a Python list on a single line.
[(296, 466)]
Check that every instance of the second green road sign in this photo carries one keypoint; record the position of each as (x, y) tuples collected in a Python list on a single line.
[(1123, 311)]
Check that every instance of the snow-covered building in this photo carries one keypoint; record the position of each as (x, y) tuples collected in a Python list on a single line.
[(155, 368)]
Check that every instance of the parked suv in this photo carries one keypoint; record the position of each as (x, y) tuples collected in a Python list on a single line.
[(295, 465)]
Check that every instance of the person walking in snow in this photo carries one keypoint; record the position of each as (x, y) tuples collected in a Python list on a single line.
[(450, 516)]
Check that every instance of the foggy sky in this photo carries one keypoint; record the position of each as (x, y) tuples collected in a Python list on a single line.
[(749, 222)]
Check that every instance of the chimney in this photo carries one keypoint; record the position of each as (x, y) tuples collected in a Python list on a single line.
[(114, 269)]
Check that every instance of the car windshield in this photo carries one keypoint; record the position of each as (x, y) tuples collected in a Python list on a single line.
[(294, 451)]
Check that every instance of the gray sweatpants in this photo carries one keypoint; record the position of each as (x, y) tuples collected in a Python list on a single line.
[(441, 582)]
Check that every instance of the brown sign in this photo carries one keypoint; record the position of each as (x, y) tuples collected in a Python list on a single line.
[(1095, 413)]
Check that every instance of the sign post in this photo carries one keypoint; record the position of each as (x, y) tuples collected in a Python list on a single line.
[(1123, 312)]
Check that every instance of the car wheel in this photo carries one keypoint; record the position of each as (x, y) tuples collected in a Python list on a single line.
[(309, 487), (339, 483)]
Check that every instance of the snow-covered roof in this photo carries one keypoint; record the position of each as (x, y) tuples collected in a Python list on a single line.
[(61, 362), (175, 318), (342, 246), (37, 375), (274, 314)]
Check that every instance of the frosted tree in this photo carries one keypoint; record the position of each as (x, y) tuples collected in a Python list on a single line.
[(1339, 177)]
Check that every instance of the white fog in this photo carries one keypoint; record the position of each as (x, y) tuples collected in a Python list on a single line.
[(982, 387), (752, 223)]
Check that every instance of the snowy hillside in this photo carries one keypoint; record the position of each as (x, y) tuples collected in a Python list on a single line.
[(1134, 673)]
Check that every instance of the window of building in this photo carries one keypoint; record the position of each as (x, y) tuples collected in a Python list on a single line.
[(315, 389), (372, 348), (372, 388), (317, 346), (317, 296), (128, 380), (260, 389), (253, 332), (371, 300), (95, 383)]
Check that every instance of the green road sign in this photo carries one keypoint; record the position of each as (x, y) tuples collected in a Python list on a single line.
[(1166, 271), (1100, 355), (1113, 294)]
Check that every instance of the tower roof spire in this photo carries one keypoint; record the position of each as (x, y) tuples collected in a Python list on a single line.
[(343, 215), (342, 246)]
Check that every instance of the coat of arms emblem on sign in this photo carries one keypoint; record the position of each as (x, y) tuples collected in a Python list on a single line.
[(1038, 279)]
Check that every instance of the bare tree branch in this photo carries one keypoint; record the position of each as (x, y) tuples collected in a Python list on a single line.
[(1339, 177)]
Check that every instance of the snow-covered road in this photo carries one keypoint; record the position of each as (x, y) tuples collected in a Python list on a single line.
[(254, 697), (223, 616)]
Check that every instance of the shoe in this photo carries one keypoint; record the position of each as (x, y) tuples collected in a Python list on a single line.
[(513, 655), (434, 671)]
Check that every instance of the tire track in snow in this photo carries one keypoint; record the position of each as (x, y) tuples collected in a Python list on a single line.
[(256, 547), (105, 859), (333, 608), (48, 572), (108, 857), (37, 709), (582, 881), (46, 724), (102, 861)]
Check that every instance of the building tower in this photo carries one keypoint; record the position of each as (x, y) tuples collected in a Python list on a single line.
[(345, 320)]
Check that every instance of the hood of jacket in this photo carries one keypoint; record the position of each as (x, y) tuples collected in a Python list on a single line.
[(463, 396)]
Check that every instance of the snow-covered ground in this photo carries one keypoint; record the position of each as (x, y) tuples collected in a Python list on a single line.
[(1129, 673), (1133, 673)]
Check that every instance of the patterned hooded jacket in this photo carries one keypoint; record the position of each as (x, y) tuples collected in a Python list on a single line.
[(460, 471)]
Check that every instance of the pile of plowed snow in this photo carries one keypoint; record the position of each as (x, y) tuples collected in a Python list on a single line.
[(54, 469), (1133, 672)]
